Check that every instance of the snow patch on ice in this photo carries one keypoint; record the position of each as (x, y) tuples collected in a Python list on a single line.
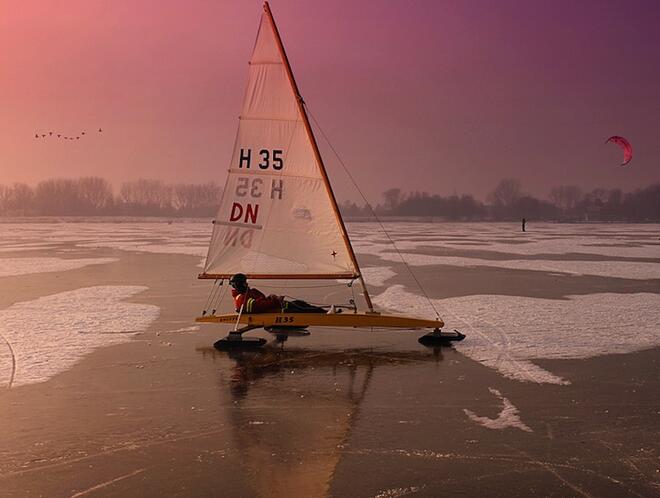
[(396, 492), (508, 333), (568, 244), (192, 328), (23, 266), (43, 337), (114, 244), (377, 275), (188, 250), (615, 269), (547, 238), (508, 417), (32, 246)]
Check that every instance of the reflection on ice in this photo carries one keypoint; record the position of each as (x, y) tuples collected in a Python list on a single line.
[(292, 411)]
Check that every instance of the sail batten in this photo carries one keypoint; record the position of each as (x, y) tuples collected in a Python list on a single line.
[(278, 217)]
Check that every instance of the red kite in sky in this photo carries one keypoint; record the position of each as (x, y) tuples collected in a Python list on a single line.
[(625, 145)]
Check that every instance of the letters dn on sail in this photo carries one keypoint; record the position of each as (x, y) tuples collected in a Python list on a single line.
[(251, 211)]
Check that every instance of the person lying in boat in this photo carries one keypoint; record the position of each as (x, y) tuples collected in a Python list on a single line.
[(251, 300)]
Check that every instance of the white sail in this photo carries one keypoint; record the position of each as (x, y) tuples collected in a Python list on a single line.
[(277, 216)]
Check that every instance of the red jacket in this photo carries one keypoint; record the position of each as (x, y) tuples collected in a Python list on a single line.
[(256, 302)]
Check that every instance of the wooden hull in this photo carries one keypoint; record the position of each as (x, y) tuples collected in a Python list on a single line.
[(362, 320)]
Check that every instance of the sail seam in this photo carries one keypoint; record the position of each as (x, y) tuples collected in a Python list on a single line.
[(247, 118), (238, 225), (276, 175)]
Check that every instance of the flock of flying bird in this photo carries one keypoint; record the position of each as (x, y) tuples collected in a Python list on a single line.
[(52, 134)]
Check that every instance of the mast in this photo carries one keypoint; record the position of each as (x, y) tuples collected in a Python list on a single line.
[(317, 154)]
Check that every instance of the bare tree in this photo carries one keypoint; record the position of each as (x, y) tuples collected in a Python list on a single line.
[(58, 196), (597, 197), (4, 193), (192, 199), (95, 193), (151, 196), (566, 197), (506, 193), (393, 198), (20, 199)]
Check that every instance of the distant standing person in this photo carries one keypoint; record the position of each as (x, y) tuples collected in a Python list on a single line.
[(523, 224)]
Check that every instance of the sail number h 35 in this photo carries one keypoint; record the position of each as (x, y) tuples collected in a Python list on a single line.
[(267, 159)]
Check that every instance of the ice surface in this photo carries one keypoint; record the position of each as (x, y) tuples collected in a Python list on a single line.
[(24, 266), (188, 250), (101, 233), (603, 241), (504, 332), (616, 269), (508, 417), (570, 244), (181, 238), (143, 246), (630, 240), (43, 337), (114, 244), (508, 332), (31, 246)]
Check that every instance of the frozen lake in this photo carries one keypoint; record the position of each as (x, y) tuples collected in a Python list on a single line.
[(506, 329), (103, 366)]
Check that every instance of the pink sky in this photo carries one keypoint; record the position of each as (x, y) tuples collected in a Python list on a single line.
[(423, 95)]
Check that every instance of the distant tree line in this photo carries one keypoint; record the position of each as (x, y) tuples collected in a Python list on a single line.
[(509, 202), (93, 196)]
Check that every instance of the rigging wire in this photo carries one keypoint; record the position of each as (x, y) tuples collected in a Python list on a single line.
[(353, 293), (371, 209), (217, 291), (209, 299), (222, 297)]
